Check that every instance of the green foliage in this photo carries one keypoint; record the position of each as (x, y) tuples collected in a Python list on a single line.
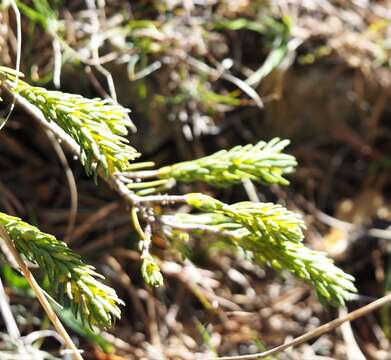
[(270, 233), (263, 161), (278, 33), (273, 235), (21, 287), (150, 271), (68, 318), (97, 125), (42, 13), (17, 281), (70, 280)]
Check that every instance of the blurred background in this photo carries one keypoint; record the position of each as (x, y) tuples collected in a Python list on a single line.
[(199, 76)]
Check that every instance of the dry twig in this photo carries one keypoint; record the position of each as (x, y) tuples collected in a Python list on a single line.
[(362, 311)]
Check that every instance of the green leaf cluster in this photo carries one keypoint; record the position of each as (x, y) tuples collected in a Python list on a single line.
[(70, 281), (273, 235), (150, 271), (98, 126), (263, 162)]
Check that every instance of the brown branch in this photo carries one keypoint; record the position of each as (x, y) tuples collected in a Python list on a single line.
[(362, 311)]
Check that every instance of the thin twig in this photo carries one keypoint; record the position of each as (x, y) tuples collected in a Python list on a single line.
[(57, 62), (8, 317), (18, 57), (364, 310), (137, 225), (95, 41), (36, 335), (90, 222), (347, 226), (71, 184), (162, 199), (145, 236), (251, 190), (199, 65), (354, 352), (40, 295)]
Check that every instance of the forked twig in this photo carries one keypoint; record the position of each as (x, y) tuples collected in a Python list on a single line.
[(364, 310)]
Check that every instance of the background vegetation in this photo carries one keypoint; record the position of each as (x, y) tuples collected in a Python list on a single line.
[(200, 76)]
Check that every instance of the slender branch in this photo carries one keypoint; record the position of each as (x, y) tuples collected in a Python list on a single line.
[(201, 66), (364, 310), (145, 243), (163, 199), (119, 187), (149, 268), (137, 225), (354, 352), (135, 200), (40, 295), (71, 184), (347, 226)]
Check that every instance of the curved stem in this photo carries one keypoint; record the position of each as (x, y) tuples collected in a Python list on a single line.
[(136, 223)]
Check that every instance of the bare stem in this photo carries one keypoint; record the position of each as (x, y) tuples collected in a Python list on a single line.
[(364, 310), (71, 184), (136, 223), (40, 295), (8, 317)]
